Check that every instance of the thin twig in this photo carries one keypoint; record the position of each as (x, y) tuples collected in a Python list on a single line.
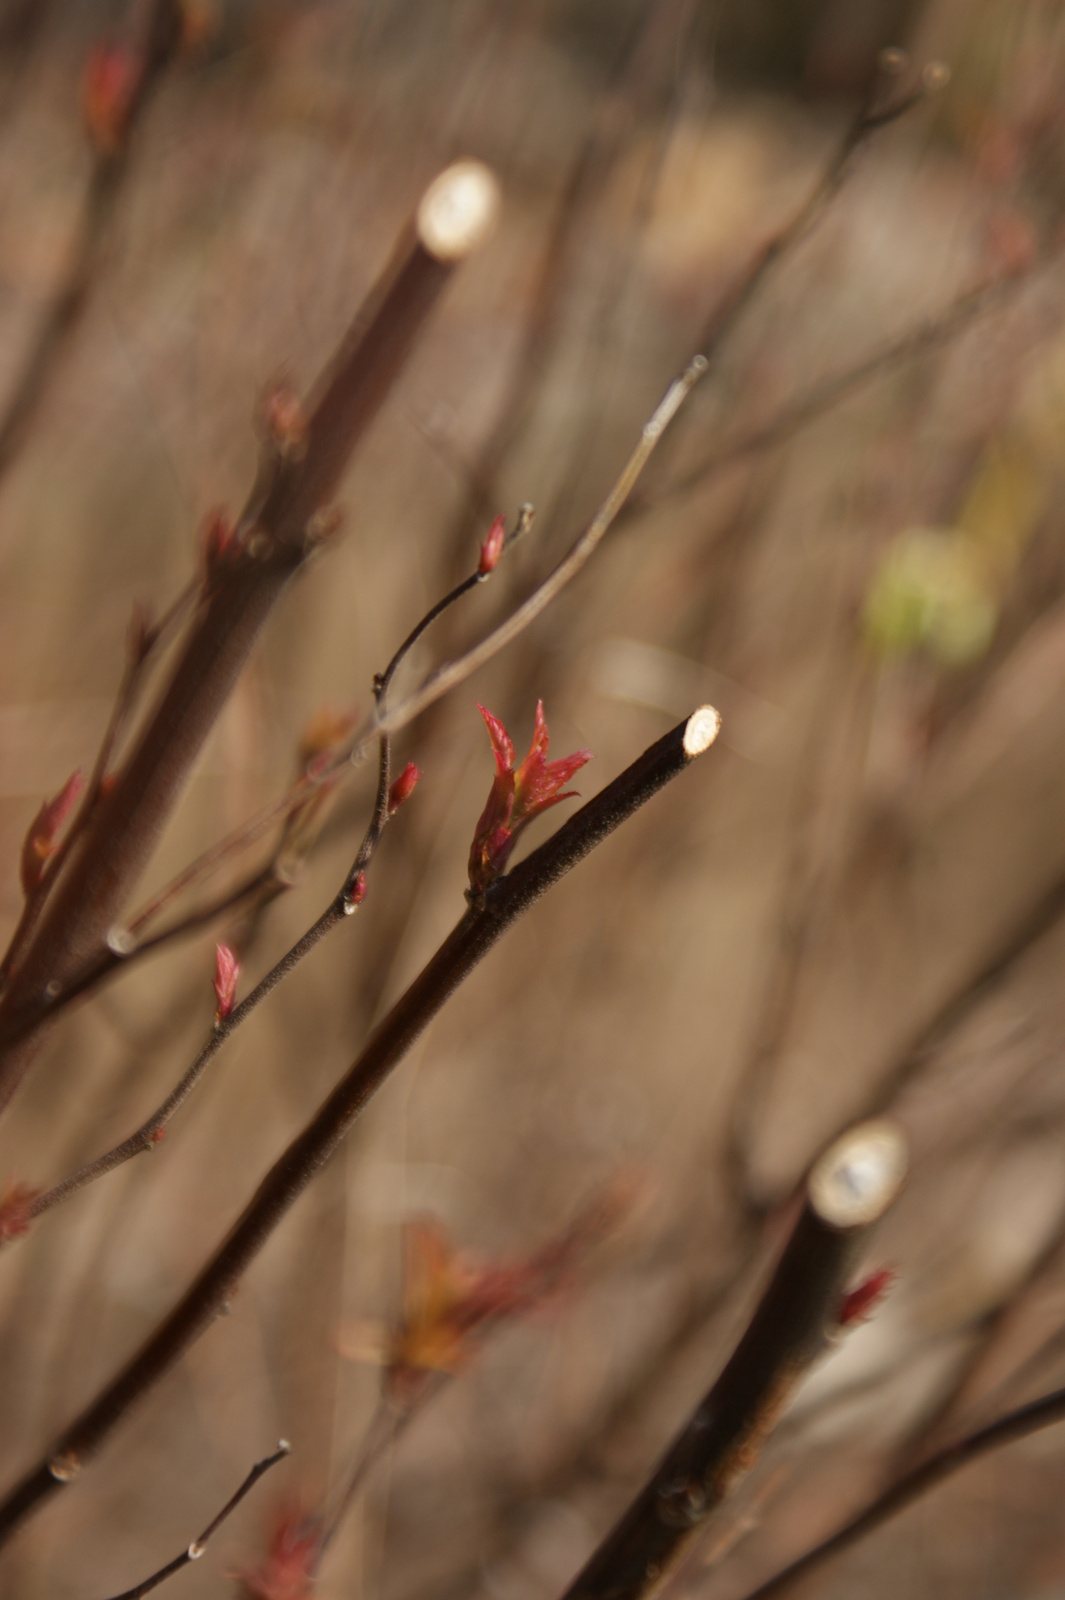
[(1018, 1424), (196, 1548), (867, 121), (478, 930), (929, 334), (386, 1426), (849, 1189)]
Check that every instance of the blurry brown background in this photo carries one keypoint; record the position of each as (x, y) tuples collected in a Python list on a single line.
[(875, 604)]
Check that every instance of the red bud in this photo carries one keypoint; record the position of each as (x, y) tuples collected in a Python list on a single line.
[(492, 548), (42, 840), (226, 973), (403, 787), (108, 88), (16, 1217), (860, 1303)]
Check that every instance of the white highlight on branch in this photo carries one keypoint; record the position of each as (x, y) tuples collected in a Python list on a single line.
[(702, 728), (858, 1177), (458, 211)]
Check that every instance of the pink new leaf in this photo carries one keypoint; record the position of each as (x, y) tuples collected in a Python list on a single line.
[(42, 840), (226, 973), (517, 796), (492, 548)]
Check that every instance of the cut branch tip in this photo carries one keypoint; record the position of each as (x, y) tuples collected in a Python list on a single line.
[(701, 729), (857, 1178), (458, 211)]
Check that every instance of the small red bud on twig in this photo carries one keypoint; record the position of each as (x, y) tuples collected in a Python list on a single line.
[(860, 1303), (226, 973), (356, 893), (42, 839), (403, 787), (284, 420), (108, 88), (16, 1216), (492, 548)]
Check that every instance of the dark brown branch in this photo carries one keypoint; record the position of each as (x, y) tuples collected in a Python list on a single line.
[(849, 1189), (272, 540), (477, 931), (1042, 1413), (196, 1548)]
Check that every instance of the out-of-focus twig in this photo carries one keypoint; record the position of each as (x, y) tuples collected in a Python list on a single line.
[(199, 1544), (148, 61), (849, 1189), (1028, 1419), (929, 334), (874, 114)]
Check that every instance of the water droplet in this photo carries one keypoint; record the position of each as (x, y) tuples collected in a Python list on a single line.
[(120, 941), (65, 1467), (195, 1551), (283, 1444), (53, 989)]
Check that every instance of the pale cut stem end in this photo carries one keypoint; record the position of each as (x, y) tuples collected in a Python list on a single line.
[(859, 1176), (458, 211), (701, 729)]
